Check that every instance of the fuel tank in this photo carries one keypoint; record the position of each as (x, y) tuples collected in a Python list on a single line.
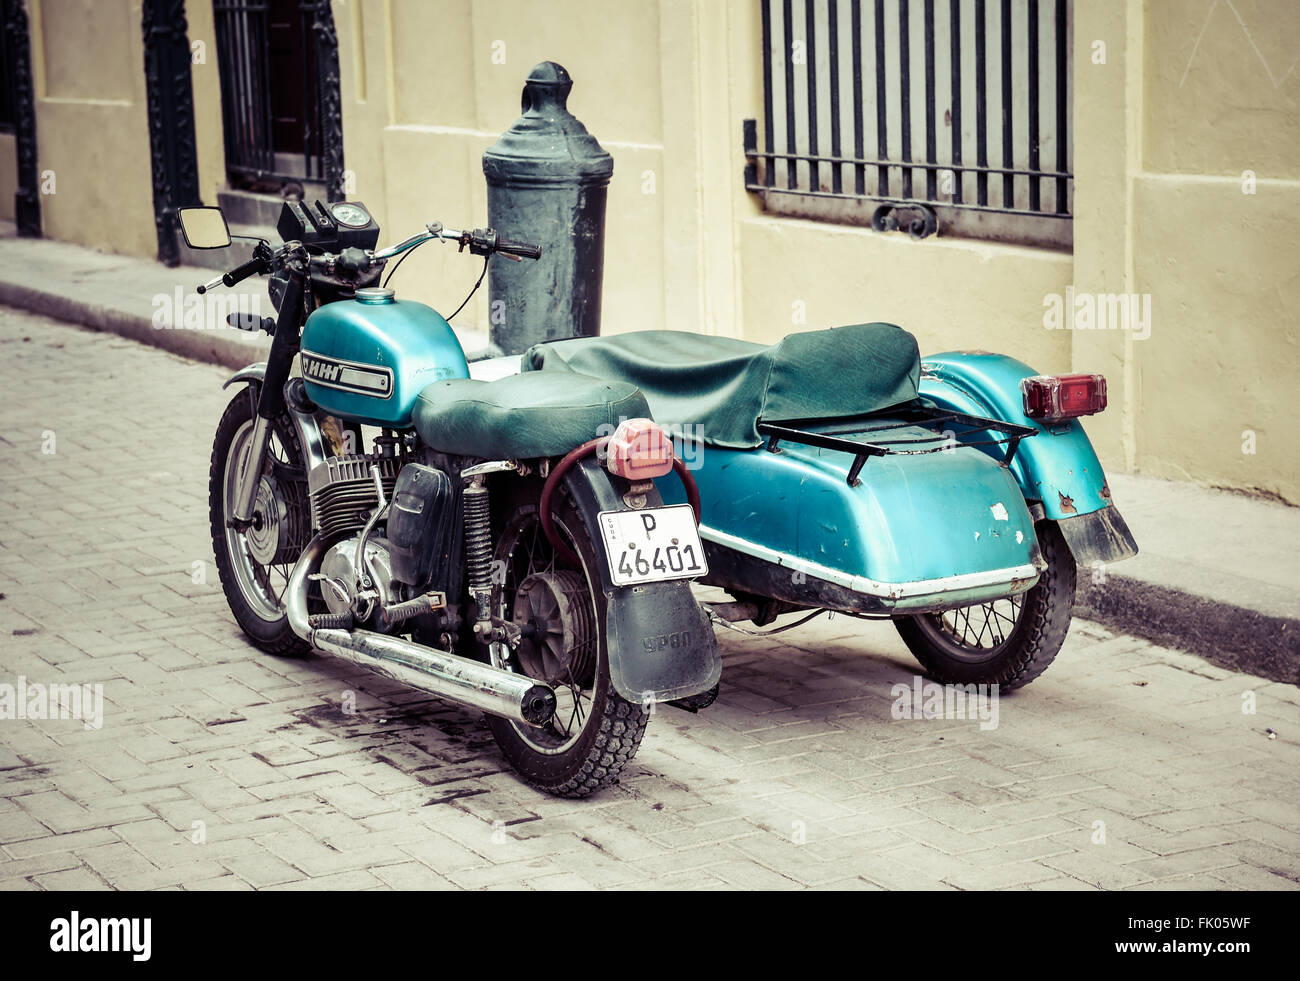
[(367, 359)]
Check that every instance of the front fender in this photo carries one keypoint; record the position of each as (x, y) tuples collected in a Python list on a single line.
[(1057, 467), (661, 645), (310, 438), (253, 373)]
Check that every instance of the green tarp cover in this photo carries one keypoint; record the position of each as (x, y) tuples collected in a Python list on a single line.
[(718, 388)]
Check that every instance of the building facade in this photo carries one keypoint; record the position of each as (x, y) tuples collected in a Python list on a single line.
[(1116, 183)]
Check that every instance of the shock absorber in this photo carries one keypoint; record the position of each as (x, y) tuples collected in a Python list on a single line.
[(478, 549), (478, 541)]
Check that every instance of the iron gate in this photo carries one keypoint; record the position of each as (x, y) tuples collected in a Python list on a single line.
[(278, 62)]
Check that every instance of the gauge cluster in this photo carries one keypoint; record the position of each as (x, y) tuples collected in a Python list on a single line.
[(328, 227)]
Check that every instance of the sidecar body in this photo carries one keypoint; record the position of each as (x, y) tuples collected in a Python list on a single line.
[(834, 473)]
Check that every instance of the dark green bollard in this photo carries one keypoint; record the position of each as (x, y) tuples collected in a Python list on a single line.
[(547, 178)]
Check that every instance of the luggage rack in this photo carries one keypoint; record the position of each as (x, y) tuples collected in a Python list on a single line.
[(788, 430)]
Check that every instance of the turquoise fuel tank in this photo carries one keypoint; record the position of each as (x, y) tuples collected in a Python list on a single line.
[(367, 359)]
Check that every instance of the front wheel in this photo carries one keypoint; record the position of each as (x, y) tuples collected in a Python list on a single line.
[(254, 563), (1008, 642), (595, 732)]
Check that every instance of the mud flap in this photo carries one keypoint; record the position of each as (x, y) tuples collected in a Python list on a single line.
[(1101, 536), (665, 643), (661, 645)]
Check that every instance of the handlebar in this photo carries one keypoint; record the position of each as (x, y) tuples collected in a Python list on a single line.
[(481, 241), (241, 273), (259, 263), (523, 249)]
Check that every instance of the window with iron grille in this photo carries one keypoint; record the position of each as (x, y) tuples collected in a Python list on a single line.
[(919, 115)]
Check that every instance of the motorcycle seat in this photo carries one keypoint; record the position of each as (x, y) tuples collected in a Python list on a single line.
[(716, 389), (523, 416)]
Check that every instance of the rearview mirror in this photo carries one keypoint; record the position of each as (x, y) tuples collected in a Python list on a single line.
[(204, 228)]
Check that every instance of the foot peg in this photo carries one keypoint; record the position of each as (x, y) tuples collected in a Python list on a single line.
[(330, 621), (390, 616)]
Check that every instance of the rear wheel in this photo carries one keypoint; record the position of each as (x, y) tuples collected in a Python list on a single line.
[(254, 564), (1008, 642), (595, 732)]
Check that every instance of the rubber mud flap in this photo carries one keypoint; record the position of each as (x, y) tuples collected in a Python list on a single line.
[(1101, 536), (660, 642)]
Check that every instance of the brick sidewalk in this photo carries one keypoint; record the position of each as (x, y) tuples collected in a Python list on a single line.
[(797, 777)]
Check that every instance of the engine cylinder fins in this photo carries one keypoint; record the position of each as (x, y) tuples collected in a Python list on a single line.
[(559, 628), (343, 491)]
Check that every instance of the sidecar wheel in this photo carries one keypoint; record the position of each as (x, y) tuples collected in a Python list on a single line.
[(595, 732), (1008, 642)]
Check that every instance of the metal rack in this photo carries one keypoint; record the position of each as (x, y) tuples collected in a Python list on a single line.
[(788, 430)]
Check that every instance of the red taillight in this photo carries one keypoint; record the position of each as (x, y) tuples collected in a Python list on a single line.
[(639, 450), (1055, 398)]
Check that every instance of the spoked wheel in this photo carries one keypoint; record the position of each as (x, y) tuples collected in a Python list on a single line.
[(561, 611), (254, 564), (1008, 642)]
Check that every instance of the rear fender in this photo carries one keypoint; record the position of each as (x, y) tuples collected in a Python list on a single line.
[(661, 644), (1057, 467)]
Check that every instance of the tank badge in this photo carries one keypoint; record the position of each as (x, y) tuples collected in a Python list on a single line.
[(347, 376)]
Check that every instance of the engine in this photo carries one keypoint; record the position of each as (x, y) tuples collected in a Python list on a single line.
[(409, 550), (342, 491)]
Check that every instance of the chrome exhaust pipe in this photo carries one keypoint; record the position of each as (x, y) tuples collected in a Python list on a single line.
[(439, 673)]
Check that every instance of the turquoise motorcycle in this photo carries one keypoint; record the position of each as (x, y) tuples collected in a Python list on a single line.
[(522, 534), (957, 496), (499, 544)]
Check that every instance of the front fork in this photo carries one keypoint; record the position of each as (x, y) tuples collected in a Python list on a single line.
[(270, 402)]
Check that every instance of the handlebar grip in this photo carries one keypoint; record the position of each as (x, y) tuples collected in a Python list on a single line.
[(522, 249), (241, 273)]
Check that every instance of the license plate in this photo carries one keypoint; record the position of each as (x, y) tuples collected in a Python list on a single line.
[(652, 545)]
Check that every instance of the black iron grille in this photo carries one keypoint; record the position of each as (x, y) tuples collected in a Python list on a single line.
[(949, 110)]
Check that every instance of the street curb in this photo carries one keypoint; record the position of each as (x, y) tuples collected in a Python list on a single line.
[(225, 346), (222, 345), (1230, 636)]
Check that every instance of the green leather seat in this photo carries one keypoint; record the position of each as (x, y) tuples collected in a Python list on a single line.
[(716, 389), (535, 414)]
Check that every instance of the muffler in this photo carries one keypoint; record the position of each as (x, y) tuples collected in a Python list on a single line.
[(439, 673)]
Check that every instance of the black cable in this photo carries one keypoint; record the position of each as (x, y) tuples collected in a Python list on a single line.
[(462, 302), (474, 290), (399, 262)]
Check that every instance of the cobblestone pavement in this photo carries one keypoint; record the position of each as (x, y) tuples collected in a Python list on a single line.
[(1125, 766)]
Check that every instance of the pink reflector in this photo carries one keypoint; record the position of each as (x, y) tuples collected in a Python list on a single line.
[(639, 450)]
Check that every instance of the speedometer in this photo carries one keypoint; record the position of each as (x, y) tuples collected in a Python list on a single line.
[(350, 214)]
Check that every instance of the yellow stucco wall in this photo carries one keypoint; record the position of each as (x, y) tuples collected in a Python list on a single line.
[(1214, 219), (92, 131), (206, 84), (8, 175)]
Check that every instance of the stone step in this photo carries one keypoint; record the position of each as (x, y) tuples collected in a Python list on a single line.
[(260, 208)]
